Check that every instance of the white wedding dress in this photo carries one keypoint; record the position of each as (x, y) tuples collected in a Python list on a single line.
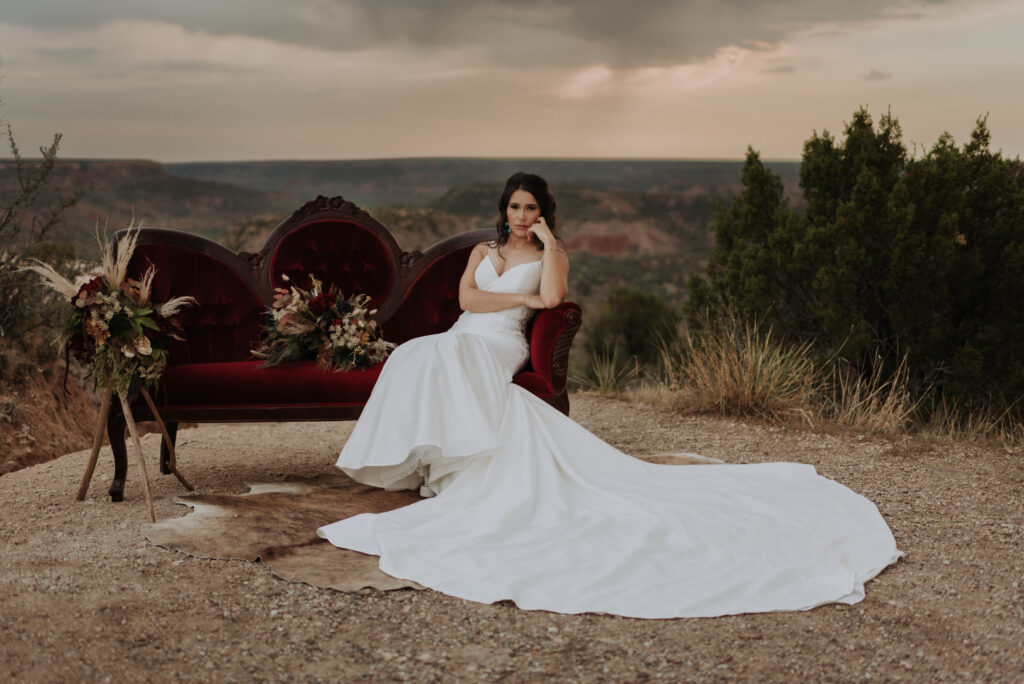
[(531, 507)]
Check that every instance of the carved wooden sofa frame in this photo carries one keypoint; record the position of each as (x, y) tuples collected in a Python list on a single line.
[(212, 376)]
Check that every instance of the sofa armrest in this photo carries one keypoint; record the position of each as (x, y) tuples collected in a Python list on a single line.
[(550, 336)]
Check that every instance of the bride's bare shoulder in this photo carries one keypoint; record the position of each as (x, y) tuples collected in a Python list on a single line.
[(478, 254)]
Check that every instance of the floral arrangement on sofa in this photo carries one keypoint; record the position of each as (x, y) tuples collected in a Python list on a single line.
[(323, 325)]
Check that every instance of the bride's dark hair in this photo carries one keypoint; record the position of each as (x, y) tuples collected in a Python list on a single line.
[(536, 186)]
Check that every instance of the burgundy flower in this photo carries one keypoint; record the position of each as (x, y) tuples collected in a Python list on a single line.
[(322, 303), (89, 288)]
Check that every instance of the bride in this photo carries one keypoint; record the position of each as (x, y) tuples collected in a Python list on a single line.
[(524, 504)]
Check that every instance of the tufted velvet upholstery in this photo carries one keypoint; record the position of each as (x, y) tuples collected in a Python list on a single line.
[(545, 329), (227, 319), (544, 333), (340, 253), (245, 383), (431, 303)]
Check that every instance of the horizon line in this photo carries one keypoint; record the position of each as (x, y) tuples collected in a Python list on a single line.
[(294, 160)]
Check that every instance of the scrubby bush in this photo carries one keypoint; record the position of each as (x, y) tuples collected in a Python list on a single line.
[(606, 372), (629, 324), (30, 207)]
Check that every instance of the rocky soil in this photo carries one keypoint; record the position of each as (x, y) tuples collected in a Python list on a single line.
[(83, 597)]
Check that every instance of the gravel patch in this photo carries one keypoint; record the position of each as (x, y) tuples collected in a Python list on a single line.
[(84, 597)]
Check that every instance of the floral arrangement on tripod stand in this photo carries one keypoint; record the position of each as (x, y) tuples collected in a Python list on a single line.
[(120, 336)]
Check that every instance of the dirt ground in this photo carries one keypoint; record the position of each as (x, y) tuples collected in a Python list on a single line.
[(83, 597)]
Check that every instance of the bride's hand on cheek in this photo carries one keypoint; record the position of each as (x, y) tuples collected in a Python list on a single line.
[(542, 231)]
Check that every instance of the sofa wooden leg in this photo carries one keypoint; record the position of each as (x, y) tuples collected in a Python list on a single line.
[(165, 454), (116, 425), (560, 401), (563, 402)]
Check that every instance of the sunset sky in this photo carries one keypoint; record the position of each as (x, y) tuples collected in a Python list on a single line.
[(352, 79)]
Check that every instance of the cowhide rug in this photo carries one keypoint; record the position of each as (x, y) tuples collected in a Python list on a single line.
[(275, 524)]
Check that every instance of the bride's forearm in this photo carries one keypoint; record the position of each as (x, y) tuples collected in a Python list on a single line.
[(480, 301), (554, 280)]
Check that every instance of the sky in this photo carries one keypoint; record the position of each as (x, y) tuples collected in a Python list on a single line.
[(194, 80)]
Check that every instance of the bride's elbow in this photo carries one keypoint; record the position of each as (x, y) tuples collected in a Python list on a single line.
[(550, 301), (470, 304), (465, 298)]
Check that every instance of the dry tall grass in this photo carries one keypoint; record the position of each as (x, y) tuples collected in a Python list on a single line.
[(740, 369), (737, 368), (948, 420), (878, 403)]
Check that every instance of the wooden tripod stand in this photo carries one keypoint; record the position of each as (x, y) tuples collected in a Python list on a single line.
[(108, 396)]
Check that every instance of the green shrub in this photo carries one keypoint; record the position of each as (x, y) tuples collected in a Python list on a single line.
[(607, 373), (894, 258), (630, 324)]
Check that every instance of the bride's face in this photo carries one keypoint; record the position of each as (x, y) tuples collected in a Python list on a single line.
[(523, 211)]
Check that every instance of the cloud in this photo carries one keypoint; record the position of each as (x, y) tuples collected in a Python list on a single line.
[(245, 79), (877, 75), (587, 83), (528, 33), (729, 68)]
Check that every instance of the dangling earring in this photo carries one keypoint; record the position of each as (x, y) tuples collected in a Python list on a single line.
[(507, 229)]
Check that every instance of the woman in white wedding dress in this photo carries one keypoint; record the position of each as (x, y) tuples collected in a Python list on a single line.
[(524, 504)]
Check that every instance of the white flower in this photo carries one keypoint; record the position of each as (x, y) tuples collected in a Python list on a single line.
[(142, 345), (98, 321), (128, 351)]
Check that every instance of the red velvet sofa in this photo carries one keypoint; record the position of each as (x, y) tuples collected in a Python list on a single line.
[(212, 376)]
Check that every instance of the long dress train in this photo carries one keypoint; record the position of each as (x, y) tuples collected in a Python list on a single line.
[(531, 507)]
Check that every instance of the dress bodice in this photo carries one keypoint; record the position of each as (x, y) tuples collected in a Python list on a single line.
[(523, 279)]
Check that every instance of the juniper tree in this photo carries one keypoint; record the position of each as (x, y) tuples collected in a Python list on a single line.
[(892, 256)]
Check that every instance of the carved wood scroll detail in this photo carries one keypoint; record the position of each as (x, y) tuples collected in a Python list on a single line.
[(321, 204), (560, 352), (409, 258), (255, 259)]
